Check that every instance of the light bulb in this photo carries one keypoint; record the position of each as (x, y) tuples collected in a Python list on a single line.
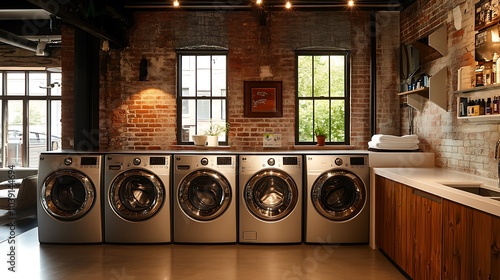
[(288, 5), (176, 3), (258, 2), (350, 3)]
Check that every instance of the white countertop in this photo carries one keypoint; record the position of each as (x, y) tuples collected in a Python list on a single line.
[(433, 180)]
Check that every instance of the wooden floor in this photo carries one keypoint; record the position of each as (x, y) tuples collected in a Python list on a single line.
[(172, 261)]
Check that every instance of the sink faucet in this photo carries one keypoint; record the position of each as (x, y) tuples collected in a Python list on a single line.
[(497, 154)]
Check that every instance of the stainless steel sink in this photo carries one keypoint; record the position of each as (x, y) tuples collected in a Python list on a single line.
[(475, 189)]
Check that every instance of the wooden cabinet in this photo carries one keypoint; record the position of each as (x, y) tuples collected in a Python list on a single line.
[(457, 228), (409, 226), (425, 235), (471, 241)]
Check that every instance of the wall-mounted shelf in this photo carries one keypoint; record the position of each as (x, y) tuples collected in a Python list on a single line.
[(436, 92), (477, 89), (481, 118), (437, 41)]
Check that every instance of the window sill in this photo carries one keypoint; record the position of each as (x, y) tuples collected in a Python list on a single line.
[(326, 147), (199, 148)]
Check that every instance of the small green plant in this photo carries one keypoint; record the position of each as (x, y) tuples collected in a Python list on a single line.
[(215, 129), (321, 127)]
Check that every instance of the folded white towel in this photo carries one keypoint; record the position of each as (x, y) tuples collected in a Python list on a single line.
[(393, 146), (381, 138)]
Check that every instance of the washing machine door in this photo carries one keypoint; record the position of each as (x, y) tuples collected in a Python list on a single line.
[(204, 195), (67, 195), (271, 195), (136, 195), (338, 195)]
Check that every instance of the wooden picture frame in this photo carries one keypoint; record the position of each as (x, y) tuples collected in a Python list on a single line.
[(263, 99)]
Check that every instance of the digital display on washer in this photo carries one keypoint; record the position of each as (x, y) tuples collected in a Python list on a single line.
[(224, 161), (88, 161), (357, 161), (290, 161), (157, 161)]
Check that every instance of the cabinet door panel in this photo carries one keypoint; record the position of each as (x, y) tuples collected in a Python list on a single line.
[(457, 221), (495, 249), (481, 245), (427, 235)]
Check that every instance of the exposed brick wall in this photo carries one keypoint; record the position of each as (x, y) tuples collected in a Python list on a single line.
[(458, 144), (142, 115), (67, 97)]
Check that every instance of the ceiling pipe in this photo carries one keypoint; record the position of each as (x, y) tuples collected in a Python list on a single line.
[(20, 42)]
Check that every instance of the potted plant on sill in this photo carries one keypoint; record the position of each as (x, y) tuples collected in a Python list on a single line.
[(321, 132), (213, 132)]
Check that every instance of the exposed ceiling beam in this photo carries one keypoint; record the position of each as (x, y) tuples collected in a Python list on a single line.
[(62, 12)]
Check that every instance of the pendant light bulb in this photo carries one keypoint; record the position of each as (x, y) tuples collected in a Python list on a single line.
[(350, 3), (288, 5), (258, 2), (176, 3)]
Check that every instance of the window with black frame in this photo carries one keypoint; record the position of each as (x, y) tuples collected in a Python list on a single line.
[(30, 102), (202, 95), (323, 96)]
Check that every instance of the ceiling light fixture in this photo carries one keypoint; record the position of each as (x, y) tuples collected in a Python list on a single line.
[(350, 3), (288, 5), (176, 3), (258, 2)]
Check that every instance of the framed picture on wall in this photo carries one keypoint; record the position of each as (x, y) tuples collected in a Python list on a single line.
[(486, 14), (263, 99)]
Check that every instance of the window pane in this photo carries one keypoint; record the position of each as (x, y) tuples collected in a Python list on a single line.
[(55, 79), (337, 78), (338, 121), (16, 84), (37, 84), (55, 125), (188, 120), (322, 116), (203, 76), (188, 78), (37, 130), (305, 76), (321, 76), (218, 75), (305, 121), (203, 110), (15, 132)]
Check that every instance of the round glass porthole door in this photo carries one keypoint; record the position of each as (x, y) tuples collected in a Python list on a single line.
[(67, 194), (204, 195), (271, 195), (338, 195), (136, 195)]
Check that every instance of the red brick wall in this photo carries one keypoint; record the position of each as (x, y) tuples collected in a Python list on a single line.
[(458, 144), (142, 115), (67, 98)]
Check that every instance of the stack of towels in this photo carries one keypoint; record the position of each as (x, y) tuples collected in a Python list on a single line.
[(394, 143)]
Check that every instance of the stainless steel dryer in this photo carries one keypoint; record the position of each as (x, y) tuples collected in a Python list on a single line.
[(137, 198), (205, 206), (270, 199), (337, 199), (69, 193)]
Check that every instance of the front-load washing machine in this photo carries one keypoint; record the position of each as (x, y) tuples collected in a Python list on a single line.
[(137, 198), (204, 207), (69, 198), (270, 208), (337, 204)]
